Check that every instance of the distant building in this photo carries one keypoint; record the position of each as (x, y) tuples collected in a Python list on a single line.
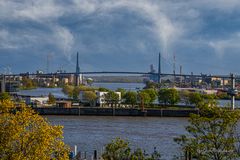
[(198, 90), (63, 104), (36, 101), (153, 77)]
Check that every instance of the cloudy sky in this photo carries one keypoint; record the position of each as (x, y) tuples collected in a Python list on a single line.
[(120, 35)]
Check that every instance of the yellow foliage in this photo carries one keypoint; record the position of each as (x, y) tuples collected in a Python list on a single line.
[(27, 136), (6, 105)]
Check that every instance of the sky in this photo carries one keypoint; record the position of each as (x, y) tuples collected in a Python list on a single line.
[(120, 35)]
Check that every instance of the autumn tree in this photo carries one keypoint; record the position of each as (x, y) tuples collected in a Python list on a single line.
[(25, 135), (6, 103), (212, 134)]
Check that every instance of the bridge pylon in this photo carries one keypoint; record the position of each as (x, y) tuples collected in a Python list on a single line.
[(159, 68)]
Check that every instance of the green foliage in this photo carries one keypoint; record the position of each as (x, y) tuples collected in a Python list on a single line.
[(101, 89), (73, 91), (223, 95), (184, 94), (91, 97), (28, 83), (122, 91), (212, 134), (130, 98), (144, 97), (199, 99), (195, 98), (168, 96), (68, 90), (152, 94), (151, 85), (119, 149), (51, 99), (111, 97)]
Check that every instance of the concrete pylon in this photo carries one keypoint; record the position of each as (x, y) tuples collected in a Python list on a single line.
[(3, 84)]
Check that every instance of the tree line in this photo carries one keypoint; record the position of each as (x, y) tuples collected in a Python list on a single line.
[(211, 134)]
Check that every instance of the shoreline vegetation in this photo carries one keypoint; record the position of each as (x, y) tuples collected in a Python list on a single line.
[(24, 134)]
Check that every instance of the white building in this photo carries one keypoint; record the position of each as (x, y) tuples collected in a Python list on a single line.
[(38, 101)]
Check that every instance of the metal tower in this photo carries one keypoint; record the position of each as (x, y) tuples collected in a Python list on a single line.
[(159, 68), (77, 66), (77, 73)]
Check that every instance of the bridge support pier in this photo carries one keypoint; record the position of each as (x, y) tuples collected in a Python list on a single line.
[(3, 84), (233, 92)]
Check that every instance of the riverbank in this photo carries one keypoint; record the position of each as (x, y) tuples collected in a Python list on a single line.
[(90, 111)]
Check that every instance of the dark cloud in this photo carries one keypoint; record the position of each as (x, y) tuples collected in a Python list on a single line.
[(120, 35)]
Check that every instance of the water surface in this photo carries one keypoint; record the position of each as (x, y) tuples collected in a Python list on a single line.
[(92, 132)]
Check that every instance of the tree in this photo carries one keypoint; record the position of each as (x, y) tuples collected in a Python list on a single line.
[(119, 149), (122, 91), (91, 97), (212, 134), (168, 96), (76, 92), (26, 135), (150, 84), (101, 89), (4, 96), (6, 105), (51, 99), (195, 98), (130, 98), (152, 93), (199, 99), (144, 97), (184, 96), (28, 83), (68, 90), (111, 97), (73, 91)]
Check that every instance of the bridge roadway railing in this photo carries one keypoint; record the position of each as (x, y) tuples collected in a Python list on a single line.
[(121, 72)]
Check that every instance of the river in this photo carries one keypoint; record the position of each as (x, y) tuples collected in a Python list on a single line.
[(91, 132)]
